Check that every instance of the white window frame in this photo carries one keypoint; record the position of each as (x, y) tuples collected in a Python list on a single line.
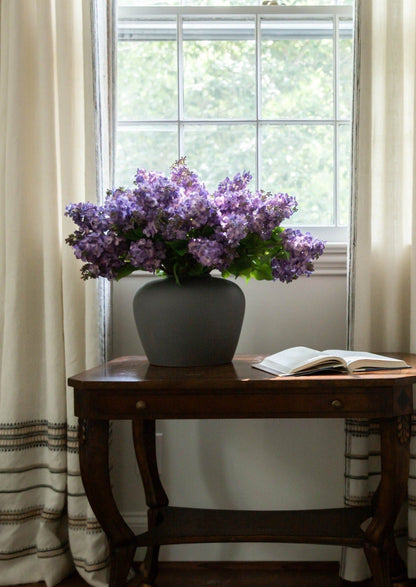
[(128, 16)]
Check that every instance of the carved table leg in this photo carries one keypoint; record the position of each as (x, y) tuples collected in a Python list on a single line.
[(93, 456), (395, 437), (398, 569), (145, 446)]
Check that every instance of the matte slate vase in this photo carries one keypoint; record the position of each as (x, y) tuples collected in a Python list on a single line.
[(192, 324)]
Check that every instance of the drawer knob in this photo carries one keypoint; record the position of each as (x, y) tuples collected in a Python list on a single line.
[(337, 404), (140, 405)]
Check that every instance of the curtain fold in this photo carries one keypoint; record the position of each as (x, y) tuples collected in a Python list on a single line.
[(49, 318), (382, 275)]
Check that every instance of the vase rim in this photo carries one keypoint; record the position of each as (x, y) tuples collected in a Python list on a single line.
[(188, 277)]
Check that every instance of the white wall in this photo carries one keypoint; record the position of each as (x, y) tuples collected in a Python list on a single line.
[(253, 464)]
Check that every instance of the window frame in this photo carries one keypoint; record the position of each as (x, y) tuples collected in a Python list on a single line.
[(129, 15)]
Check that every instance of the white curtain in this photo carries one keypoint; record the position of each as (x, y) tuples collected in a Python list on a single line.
[(48, 316), (382, 285)]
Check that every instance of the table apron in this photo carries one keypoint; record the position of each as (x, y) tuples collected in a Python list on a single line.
[(380, 403)]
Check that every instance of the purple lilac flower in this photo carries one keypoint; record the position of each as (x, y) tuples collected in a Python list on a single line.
[(153, 196), (183, 177), (233, 196), (174, 224), (303, 249), (88, 216), (187, 214), (102, 254), (233, 202), (121, 208), (234, 228), (270, 211), (207, 252), (146, 255)]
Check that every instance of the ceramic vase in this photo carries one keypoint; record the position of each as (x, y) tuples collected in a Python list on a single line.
[(194, 323)]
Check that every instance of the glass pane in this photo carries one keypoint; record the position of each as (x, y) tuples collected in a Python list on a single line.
[(219, 69), (345, 69), (344, 134), (154, 148), (298, 159), (297, 69), (217, 151), (142, 67)]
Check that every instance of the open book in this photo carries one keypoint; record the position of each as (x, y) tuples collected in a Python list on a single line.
[(301, 360)]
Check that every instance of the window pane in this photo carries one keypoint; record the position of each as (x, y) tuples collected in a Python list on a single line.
[(219, 73), (298, 159), (148, 147), (344, 173), (199, 98), (217, 151), (142, 67), (345, 69), (297, 69)]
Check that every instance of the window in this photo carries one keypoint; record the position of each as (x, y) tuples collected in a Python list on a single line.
[(264, 88)]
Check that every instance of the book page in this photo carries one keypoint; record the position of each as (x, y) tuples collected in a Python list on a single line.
[(362, 359), (296, 358)]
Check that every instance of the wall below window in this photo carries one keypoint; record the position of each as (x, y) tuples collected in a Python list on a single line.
[(252, 464)]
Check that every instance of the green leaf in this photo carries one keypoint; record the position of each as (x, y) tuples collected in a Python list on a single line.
[(178, 247), (125, 270), (263, 273), (134, 235)]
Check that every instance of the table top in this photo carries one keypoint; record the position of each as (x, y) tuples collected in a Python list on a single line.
[(237, 390)]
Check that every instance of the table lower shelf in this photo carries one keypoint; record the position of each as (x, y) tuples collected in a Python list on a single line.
[(177, 525)]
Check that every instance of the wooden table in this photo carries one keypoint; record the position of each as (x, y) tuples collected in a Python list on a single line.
[(128, 388)]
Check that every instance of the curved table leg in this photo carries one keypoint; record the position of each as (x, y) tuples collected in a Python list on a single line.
[(93, 456), (379, 547), (144, 436)]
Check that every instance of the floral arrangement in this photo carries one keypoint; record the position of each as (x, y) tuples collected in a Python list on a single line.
[(173, 226)]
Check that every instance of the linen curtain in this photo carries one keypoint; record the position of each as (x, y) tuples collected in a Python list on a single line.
[(49, 322), (382, 277)]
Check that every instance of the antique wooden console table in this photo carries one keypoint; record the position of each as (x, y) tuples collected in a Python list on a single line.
[(128, 388)]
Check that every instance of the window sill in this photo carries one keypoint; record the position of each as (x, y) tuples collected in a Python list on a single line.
[(333, 261)]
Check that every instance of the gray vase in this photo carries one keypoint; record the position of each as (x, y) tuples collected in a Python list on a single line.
[(192, 324)]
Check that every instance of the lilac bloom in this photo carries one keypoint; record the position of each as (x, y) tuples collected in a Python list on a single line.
[(174, 225), (207, 252)]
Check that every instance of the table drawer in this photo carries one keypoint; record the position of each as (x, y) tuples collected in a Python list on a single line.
[(300, 404)]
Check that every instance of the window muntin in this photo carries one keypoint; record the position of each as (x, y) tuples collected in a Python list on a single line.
[(263, 88)]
